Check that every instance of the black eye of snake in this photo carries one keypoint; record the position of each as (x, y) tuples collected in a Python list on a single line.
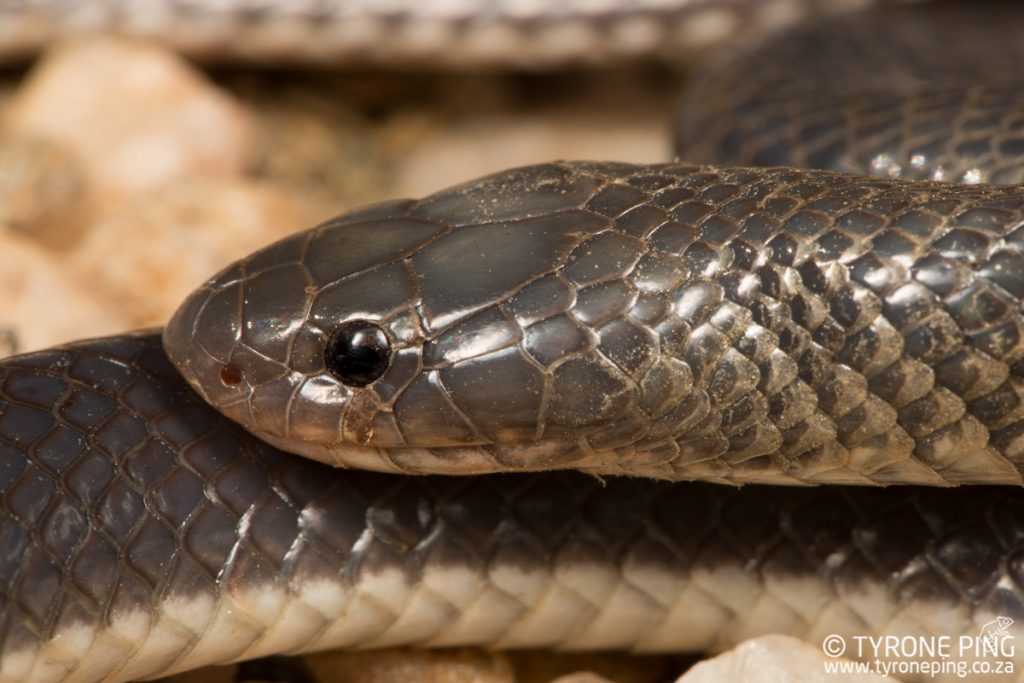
[(358, 353)]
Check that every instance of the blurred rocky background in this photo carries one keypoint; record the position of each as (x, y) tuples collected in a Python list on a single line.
[(128, 174)]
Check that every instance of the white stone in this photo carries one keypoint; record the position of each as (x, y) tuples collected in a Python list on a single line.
[(42, 303), (774, 659), (163, 244), (136, 115)]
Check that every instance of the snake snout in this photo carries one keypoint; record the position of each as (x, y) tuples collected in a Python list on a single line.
[(234, 338)]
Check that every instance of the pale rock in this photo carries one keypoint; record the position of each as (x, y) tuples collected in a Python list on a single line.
[(136, 115), (43, 193), (582, 677), (151, 253), (42, 304), (774, 659)]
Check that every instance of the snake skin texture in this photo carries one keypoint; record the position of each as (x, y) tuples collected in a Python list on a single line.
[(143, 533), (450, 33), (672, 321), (874, 98), (676, 321)]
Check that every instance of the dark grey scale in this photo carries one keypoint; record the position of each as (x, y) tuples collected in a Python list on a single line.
[(1001, 267), (604, 257), (587, 391), (543, 298), (489, 331), (602, 302), (657, 272), (642, 220), (614, 200), (672, 196), (631, 347), (392, 238), (553, 340), (663, 386), (531, 248)]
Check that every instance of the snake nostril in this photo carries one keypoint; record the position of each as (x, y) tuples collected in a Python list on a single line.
[(231, 375)]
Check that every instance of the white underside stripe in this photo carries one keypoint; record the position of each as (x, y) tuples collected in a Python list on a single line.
[(651, 610)]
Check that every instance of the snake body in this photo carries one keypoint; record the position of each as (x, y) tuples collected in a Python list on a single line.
[(143, 533), (464, 35), (675, 321)]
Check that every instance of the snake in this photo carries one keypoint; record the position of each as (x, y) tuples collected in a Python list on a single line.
[(511, 386)]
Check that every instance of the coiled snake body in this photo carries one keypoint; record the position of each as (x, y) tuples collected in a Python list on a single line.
[(674, 321)]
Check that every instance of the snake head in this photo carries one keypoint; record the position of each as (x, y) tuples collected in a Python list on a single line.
[(305, 342), (448, 328)]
